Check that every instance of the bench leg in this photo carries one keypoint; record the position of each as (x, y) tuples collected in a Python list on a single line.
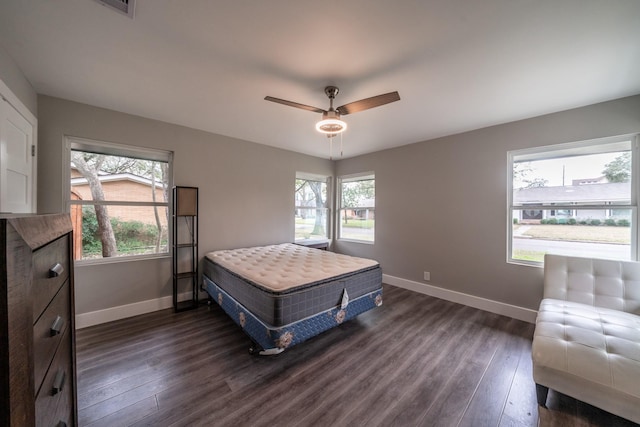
[(541, 394)]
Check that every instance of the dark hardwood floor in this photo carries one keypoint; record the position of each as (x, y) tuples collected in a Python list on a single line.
[(415, 361)]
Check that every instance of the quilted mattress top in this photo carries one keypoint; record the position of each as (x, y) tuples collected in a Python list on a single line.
[(284, 266)]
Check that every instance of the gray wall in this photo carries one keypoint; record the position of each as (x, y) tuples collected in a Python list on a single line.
[(12, 76), (441, 204), (246, 191)]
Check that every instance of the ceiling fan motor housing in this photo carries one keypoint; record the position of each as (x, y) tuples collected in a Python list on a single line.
[(331, 91)]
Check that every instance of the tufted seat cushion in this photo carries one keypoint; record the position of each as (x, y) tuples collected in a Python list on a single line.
[(586, 342), (596, 344)]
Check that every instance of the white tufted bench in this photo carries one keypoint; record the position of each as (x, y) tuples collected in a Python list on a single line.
[(587, 337)]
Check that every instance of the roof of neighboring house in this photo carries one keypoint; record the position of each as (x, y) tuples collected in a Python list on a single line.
[(617, 191), (117, 177)]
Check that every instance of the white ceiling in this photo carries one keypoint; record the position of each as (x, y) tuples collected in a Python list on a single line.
[(458, 64)]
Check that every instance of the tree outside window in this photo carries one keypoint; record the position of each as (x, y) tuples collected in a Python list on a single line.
[(119, 204), (311, 207)]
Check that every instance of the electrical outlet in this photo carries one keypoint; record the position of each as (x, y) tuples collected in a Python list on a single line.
[(427, 276)]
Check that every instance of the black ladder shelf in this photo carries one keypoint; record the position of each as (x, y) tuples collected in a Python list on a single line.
[(185, 247)]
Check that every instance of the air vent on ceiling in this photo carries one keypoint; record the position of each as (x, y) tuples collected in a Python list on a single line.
[(123, 6)]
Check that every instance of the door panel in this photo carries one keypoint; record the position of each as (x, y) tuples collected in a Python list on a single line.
[(16, 161)]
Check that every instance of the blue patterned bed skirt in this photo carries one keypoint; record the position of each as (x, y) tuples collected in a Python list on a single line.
[(282, 337)]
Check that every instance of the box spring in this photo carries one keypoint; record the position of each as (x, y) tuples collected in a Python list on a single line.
[(269, 337)]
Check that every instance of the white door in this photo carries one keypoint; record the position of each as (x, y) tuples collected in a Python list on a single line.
[(16, 161)]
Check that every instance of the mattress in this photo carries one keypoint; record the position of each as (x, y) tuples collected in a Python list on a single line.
[(282, 284)]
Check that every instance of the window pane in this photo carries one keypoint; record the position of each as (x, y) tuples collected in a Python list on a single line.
[(311, 213), (601, 233), (355, 194), (117, 178), (580, 179), (111, 228), (311, 223), (357, 224), (357, 208), (138, 230), (573, 199), (311, 193)]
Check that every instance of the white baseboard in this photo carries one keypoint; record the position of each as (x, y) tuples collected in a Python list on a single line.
[(84, 320), (509, 310)]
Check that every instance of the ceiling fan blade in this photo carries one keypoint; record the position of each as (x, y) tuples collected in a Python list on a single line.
[(294, 104), (365, 104)]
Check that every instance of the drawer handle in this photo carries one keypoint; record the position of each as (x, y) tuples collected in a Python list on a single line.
[(58, 382), (56, 326), (56, 270)]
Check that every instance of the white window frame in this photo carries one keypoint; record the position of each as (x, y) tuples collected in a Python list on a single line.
[(570, 149), (115, 149), (327, 181), (364, 176)]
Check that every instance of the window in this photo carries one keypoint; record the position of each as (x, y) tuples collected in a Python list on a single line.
[(118, 199), (311, 209), (357, 208), (574, 199)]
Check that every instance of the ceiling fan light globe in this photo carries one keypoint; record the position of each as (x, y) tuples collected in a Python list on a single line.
[(331, 126)]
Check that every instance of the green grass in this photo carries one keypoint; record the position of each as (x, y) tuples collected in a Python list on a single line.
[(577, 233), (528, 255), (305, 227), (358, 223), (309, 221)]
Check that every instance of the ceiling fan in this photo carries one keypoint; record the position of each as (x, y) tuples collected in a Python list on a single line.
[(331, 123)]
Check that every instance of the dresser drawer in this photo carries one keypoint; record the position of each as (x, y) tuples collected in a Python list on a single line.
[(65, 409), (49, 331), (54, 399), (50, 270)]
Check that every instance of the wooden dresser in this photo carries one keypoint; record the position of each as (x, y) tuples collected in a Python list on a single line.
[(37, 331)]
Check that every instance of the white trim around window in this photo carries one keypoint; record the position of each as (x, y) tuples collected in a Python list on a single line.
[(312, 222), (361, 211), (121, 202), (590, 201)]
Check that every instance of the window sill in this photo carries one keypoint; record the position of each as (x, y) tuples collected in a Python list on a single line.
[(316, 244), (365, 242), (525, 263), (114, 260)]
